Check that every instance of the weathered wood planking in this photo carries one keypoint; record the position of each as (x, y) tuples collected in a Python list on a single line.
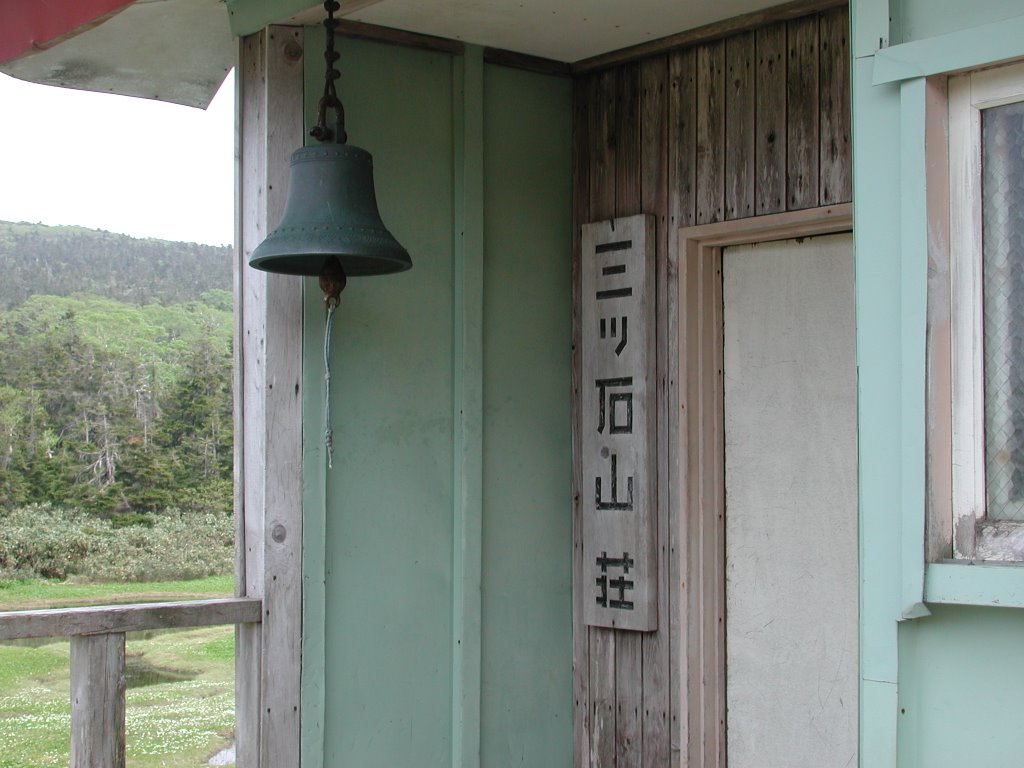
[(282, 466), (602, 206), (251, 226), (835, 182), (268, 413), (802, 108), (580, 634), (710, 132), (97, 701), (739, 126), (602, 140), (682, 137), (627, 141), (628, 645), (679, 175), (628, 700), (715, 31), (682, 212), (770, 120), (656, 646)]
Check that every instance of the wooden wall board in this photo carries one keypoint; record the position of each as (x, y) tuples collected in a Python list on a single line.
[(602, 206), (835, 177), (656, 646), (715, 31), (580, 635), (627, 141), (770, 120), (628, 700), (710, 132), (802, 114), (681, 172), (628, 648), (739, 126), (604, 99), (268, 406), (682, 138), (697, 161)]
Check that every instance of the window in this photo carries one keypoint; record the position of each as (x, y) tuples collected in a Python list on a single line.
[(986, 313)]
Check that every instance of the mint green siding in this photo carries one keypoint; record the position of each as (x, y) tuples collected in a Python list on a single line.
[(526, 702), (961, 677), (921, 19), (940, 684), (443, 626)]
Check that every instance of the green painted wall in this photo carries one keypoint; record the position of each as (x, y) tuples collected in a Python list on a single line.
[(526, 701), (941, 689), (961, 677), (921, 19), (442, 628)]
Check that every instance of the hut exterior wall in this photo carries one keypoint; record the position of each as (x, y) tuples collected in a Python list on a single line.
[(753, 124), (937, 680), (437, 582)]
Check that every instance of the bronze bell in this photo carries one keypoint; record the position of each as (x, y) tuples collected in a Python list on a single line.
[(331, 212)]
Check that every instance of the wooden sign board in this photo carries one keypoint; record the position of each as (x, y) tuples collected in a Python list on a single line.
[(618, 428)]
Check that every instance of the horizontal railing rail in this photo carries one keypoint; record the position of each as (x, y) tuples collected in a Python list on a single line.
[(98, 659), (96, 620)]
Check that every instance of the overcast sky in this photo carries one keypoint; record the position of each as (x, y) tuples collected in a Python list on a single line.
[(122, 164)]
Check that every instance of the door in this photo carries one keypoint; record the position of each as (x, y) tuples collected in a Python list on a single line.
[(790, 504)]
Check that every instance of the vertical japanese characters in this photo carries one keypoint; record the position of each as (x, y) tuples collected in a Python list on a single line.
[(617, 424)]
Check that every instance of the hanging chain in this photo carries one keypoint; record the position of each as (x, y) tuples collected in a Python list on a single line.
[(330, 99)]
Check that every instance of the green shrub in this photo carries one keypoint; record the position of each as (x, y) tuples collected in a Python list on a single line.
[(41, 541)]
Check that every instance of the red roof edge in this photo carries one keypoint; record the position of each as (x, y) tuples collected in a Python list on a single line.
[(35, 25)]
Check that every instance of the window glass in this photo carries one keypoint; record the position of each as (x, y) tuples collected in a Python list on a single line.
[(1003, 275)]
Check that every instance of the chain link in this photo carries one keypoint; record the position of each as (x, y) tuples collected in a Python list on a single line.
[(330, 99)]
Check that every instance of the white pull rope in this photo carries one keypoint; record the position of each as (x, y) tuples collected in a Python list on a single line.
[(332, 304)]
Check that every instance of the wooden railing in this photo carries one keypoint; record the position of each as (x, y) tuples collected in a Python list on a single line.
[(98, 660)]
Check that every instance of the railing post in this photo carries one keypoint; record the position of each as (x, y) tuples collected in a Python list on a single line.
[(97, 701)]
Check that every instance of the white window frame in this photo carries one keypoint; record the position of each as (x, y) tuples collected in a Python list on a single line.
[(973, 536)]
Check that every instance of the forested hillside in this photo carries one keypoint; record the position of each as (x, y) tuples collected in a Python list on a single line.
[(60, 261), (115, 373)]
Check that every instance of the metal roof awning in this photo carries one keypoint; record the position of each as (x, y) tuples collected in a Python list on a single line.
[(170, 50)]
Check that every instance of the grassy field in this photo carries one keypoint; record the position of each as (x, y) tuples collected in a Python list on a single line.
[(180, 700), (28, 594)]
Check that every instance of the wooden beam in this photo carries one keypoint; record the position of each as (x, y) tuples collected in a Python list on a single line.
[(268, 410), (707, 33), (362, 31), (515, 60), (74, 622), (97, 701)]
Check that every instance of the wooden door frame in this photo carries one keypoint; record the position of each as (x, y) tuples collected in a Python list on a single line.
[(700, 457)]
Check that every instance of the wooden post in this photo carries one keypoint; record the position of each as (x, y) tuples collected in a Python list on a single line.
[(268, 407), (97, 701)]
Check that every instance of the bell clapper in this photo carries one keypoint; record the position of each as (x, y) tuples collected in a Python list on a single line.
[(332, 283)]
